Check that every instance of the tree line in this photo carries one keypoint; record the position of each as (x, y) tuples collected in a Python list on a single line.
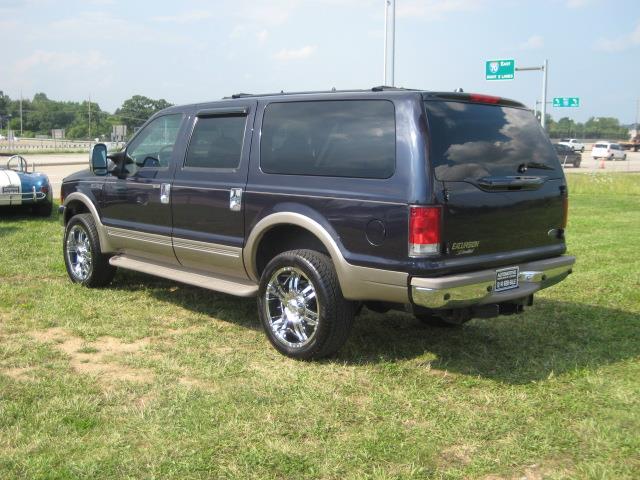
[(84, 120), (595, 127), (80, 120)]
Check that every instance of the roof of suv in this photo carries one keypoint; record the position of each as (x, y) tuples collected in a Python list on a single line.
[(375, 91)]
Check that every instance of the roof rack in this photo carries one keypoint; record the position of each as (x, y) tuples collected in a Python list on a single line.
[(380, 88)]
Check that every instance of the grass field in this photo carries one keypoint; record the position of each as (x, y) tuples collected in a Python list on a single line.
[(151, 379)]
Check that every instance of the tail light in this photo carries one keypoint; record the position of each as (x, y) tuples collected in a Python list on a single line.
[(424, 231), (565, 210), (44, 189), (479, 98)]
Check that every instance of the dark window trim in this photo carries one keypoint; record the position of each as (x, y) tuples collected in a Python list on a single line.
[(395, 137), (216, 112)]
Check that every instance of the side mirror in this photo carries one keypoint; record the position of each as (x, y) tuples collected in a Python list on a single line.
[(99, 159)]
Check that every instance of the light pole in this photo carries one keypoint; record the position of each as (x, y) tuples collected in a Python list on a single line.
[(389, 42), (543, 106)]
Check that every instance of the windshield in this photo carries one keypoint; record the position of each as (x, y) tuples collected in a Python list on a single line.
[(471, 141)]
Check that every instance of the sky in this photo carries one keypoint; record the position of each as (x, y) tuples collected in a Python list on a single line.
[(194, 50)]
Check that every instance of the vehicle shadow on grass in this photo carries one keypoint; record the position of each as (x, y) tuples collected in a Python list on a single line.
[(550, 338), (238, 310)]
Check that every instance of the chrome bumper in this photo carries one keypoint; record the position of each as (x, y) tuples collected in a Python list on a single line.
[(477, 288)]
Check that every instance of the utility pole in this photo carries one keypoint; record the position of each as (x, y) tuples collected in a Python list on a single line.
[(543, 105), (89, 117), (20, 112), (543, 120), (389, 42)]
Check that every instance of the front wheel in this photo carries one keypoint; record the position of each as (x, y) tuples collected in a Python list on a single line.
[(85, 262), (301, 306)]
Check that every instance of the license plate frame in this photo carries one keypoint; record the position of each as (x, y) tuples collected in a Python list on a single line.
[(507, 279)]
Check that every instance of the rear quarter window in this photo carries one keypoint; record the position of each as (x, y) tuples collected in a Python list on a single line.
[(349, 138), (470, 141)]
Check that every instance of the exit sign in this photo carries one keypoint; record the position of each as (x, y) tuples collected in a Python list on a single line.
[(566, 101), (500, 69)]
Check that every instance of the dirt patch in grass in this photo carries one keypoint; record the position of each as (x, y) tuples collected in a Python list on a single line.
[(97, 358), (539, 472), (18, 373)]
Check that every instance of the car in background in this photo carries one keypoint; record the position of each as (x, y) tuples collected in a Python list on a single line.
[(20, 187), (567, 156), (573, 144), (608, 151)]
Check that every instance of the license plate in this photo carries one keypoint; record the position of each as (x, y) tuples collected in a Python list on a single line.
[(506, 279), (10, 189)]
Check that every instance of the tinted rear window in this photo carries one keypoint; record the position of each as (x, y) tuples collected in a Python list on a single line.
[(601, 145), (471, 141), (354, 138)]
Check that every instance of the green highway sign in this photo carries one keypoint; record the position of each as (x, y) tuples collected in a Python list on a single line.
[(566, 101), (500, 69)]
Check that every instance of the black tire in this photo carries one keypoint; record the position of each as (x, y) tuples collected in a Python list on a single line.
[(43, 209), (576, 165), (335, 315), (435, 321), (99, 273)]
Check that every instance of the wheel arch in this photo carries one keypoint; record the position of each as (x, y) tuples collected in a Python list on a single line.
[(78, 202)]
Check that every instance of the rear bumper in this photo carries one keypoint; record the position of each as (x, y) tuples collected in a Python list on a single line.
[(477, 288)]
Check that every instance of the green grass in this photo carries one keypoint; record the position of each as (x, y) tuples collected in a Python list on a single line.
[(552, 393)]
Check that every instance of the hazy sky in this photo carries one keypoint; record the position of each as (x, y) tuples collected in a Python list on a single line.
[(195, 50)]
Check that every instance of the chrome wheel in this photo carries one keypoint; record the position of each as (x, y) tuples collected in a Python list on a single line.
[(291, 306), (78, 251)]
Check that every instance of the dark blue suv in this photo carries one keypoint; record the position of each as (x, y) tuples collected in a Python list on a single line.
[(450, 205)]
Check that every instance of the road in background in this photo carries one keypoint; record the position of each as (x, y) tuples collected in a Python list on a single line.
[(58, 166)]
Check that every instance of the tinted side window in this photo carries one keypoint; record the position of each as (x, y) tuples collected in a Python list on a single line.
[(354, 138), (216, 142), (153, 146)]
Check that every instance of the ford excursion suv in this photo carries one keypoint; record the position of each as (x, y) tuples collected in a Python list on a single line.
[(450, 205)]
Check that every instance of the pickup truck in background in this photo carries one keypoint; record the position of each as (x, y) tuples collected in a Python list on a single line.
[(573, 144)]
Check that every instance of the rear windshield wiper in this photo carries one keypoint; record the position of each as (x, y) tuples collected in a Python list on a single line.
[(523, 167), (510, 183)]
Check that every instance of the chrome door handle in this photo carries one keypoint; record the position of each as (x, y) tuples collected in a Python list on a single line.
[(165, 193), (235, 199)]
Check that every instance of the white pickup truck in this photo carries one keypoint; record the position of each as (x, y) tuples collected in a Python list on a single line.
[(573, 144)]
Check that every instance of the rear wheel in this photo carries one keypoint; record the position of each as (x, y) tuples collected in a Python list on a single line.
[(301, 306), (85, 262), (576, 164)]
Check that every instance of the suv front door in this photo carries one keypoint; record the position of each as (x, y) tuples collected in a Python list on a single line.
[(136, 205), (208, 216)]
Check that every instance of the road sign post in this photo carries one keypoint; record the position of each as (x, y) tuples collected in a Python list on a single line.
[(500, 69)]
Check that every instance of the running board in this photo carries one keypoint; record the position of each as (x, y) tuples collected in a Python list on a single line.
[(219, 283)]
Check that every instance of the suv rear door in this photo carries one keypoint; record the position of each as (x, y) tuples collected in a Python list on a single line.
[(208, 216), (501, 185)]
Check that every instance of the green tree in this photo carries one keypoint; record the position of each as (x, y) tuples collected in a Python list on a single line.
[(137, 109)]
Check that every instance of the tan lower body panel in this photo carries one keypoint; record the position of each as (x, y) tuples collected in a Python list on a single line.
[(219, 283)]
